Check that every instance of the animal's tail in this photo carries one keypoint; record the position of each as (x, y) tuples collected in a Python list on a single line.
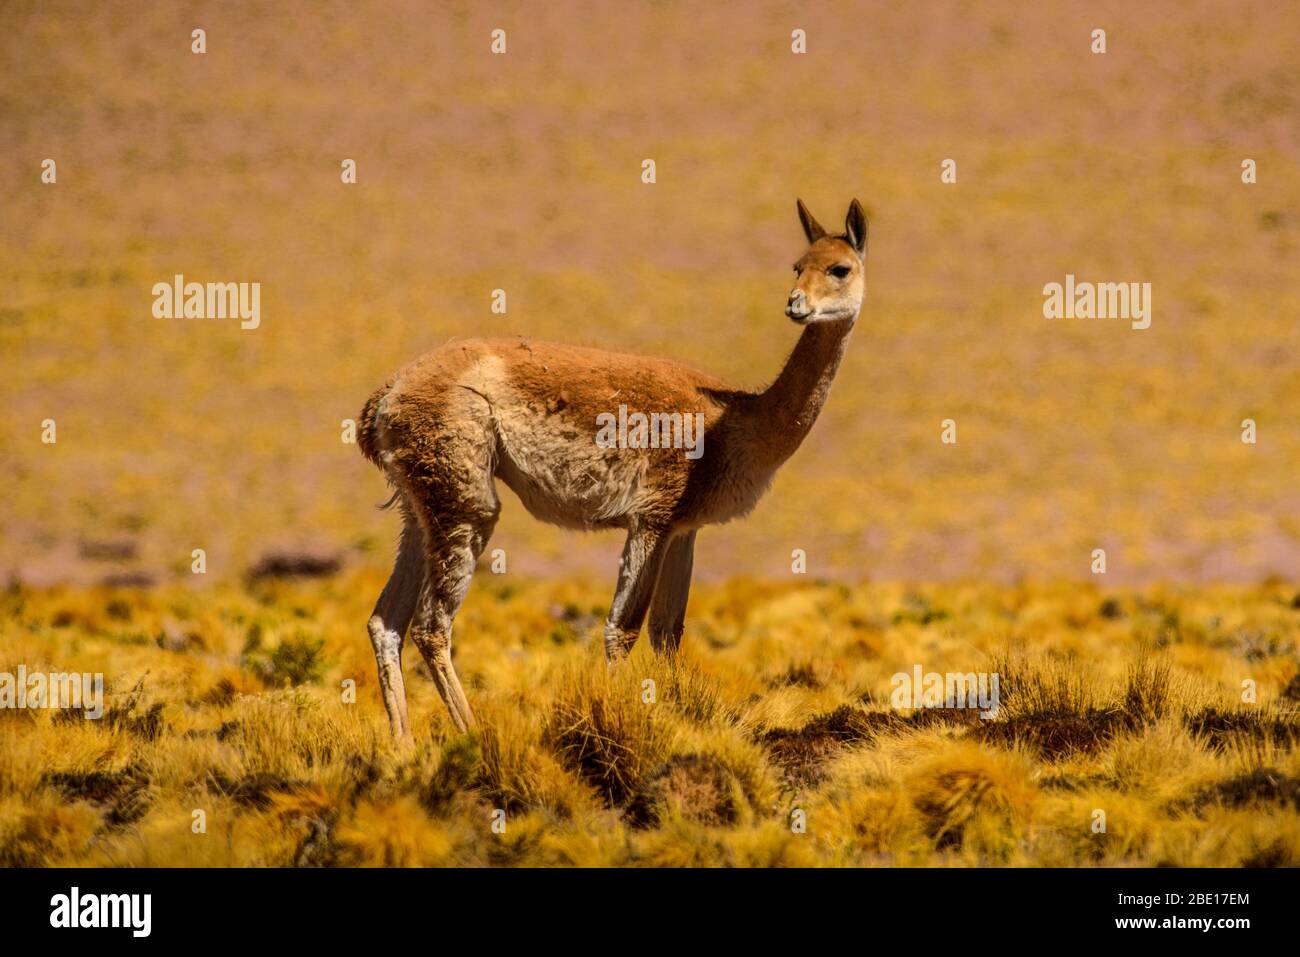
[(368, 427), (368, 438)]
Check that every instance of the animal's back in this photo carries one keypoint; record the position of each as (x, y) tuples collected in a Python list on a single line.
[(542, 402)]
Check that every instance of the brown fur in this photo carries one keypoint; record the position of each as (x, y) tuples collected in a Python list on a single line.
[(449, 424)]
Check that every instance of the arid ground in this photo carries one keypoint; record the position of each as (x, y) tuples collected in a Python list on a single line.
[(1123, 692)]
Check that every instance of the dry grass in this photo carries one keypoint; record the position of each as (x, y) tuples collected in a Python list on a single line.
[(703, 762)]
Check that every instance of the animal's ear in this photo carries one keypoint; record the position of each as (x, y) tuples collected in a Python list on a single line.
[(811, 228), (855, 227)]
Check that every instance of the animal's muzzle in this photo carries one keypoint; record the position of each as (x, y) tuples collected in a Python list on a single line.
[(797, 307)]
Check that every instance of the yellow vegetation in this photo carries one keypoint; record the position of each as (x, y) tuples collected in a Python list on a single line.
[(1120, 706)]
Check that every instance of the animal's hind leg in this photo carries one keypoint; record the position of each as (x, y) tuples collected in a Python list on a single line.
[(446, 467), (452, 554), (388, 623)]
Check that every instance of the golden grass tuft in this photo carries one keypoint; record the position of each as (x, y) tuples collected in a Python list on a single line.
[(601, 727), (765, 720), (393, 833), (970, 797)]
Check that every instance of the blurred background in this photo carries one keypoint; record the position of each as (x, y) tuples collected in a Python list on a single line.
[(523, 172)]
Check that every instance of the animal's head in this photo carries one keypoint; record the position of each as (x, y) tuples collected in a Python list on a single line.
[(831, 275)]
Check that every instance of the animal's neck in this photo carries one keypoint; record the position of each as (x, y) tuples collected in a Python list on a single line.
[(785, 412)]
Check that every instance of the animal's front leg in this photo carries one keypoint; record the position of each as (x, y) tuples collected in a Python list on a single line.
[(668, 609), (637, 572)]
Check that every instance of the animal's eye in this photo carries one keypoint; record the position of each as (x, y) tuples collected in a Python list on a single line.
[(839, 272)]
